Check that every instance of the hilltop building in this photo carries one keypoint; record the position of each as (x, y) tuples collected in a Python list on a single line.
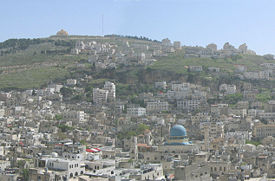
[(62, 33)]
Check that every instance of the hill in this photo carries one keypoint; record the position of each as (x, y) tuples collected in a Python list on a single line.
[(178, 64), (32, 63)]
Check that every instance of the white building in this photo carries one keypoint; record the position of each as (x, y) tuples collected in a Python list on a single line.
[(157, 106), (161, 85), (2, 112), (228, 89), (71, 167), (188, 105), (219, 109), (111, 88), (71, 82), (267, 115), (166, 42), (195, 68), (257, 75), (214, 69), (74, 116), (181, 87), (4, 96), (100, 96), (212, 129), (136, 111), (177, 45), (263, 130), (148, 172)]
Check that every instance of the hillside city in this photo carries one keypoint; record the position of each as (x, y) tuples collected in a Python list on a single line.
[(128, 108)]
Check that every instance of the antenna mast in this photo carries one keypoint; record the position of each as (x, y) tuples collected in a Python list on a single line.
[(102, 25)]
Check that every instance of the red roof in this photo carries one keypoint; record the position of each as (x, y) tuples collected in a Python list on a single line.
[(89, 150), (93, 150)]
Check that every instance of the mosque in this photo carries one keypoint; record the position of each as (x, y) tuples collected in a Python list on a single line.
[(177, 141), (178, 136)]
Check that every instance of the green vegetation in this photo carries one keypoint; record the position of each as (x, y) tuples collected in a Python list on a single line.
[(233, 98), (263, 96), (26, 174), (33, 78), (66, 92), (21, 54), (131, 37), (20, 44), (256, 143), (83, 142), (31, 56), (97, 82), (133, 132), (178, 64), (132, 90), (58, 117), (32, 63), (65, 128)]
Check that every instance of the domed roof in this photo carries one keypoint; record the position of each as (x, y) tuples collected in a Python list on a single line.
[(178, 130), (62, 33)]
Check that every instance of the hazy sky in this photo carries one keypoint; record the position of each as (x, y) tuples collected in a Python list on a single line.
[(193, 22)]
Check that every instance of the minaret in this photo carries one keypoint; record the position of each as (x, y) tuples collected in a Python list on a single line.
[(134, 148), (206, 137)]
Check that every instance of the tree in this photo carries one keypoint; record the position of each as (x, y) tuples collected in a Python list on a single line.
[(66, 92), (64, 128), (233, 98), (58, 117), (25, 174)]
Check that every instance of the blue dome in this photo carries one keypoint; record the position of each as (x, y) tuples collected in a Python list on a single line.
[(178, 130)]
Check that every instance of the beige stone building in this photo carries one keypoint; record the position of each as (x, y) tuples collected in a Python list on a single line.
[(263, 130)]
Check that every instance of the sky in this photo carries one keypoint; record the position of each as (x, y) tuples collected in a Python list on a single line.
[(193, 22)]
